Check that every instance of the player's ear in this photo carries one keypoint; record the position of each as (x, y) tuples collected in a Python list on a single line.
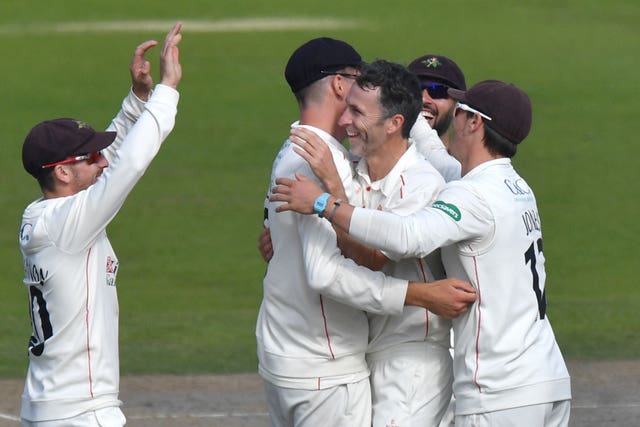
[(62, 173), (475, 122), (394, 124), (338, 86)]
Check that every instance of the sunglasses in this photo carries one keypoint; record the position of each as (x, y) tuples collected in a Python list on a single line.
[(465, 107), (91, 158), (435, 90)]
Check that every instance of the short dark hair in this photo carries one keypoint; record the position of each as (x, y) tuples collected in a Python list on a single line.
[(498, 144), (306, 93), (400, 91), (46, 181)]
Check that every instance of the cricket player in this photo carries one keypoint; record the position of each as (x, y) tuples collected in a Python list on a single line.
[(70, 267), (508, 369)]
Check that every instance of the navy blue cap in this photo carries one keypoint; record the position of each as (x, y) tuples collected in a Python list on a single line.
[(55, 140), (308, 62), (439, 68), (507, 105)]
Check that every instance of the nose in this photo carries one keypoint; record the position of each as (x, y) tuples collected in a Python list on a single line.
[(344, 118), (103, 162)]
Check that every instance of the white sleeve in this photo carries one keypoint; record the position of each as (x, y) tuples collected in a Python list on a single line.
[(76, 222), (331, 274), (429, 144), (459, 215), (131, 109)]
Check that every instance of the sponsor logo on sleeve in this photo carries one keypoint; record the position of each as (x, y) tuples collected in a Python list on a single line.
[(449, 209)]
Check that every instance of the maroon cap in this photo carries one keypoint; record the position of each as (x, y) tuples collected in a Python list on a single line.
[(55, 140), (316, 59), (508, 106), (438, 68)]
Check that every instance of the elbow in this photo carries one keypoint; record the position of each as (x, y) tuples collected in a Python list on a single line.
[(317, 284)]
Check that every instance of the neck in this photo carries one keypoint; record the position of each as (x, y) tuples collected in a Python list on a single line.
[(476, 158), (445, 138), (381, 161), (64, 192), (323, 118)]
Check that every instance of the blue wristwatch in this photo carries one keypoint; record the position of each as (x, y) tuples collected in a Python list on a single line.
[(321, 204)]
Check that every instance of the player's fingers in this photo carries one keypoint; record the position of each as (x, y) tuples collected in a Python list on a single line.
[(283, 208), (143, 47), (300, 142), (264, 239), (284, 181), (311, 137), (278, 197), (302, 153), (462, 285), (301, 177), (172, 39)]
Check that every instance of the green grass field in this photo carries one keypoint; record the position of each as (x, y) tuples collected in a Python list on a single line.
[(190, 276)]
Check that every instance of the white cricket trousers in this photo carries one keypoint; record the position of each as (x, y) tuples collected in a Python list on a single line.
[(410, 385), (347, 405), (554, 414), (105, 417)]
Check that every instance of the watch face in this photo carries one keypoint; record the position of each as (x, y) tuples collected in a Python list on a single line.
[(320, 204)]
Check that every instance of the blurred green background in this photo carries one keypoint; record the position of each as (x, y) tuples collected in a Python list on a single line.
[(190, 276)]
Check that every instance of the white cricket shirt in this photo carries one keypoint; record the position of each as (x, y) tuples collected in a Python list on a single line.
[(70, 272), (506, 355), (411, 185)]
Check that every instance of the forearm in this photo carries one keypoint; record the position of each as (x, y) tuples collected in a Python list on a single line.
[(330, 273), (368, 231), (339, 215), (131, 109), (361, 254), (91, 210)]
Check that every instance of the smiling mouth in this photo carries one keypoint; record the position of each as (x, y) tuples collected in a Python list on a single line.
[(428, 115)]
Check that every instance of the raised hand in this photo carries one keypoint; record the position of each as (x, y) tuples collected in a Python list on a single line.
[(140, 70), (170, 68)]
